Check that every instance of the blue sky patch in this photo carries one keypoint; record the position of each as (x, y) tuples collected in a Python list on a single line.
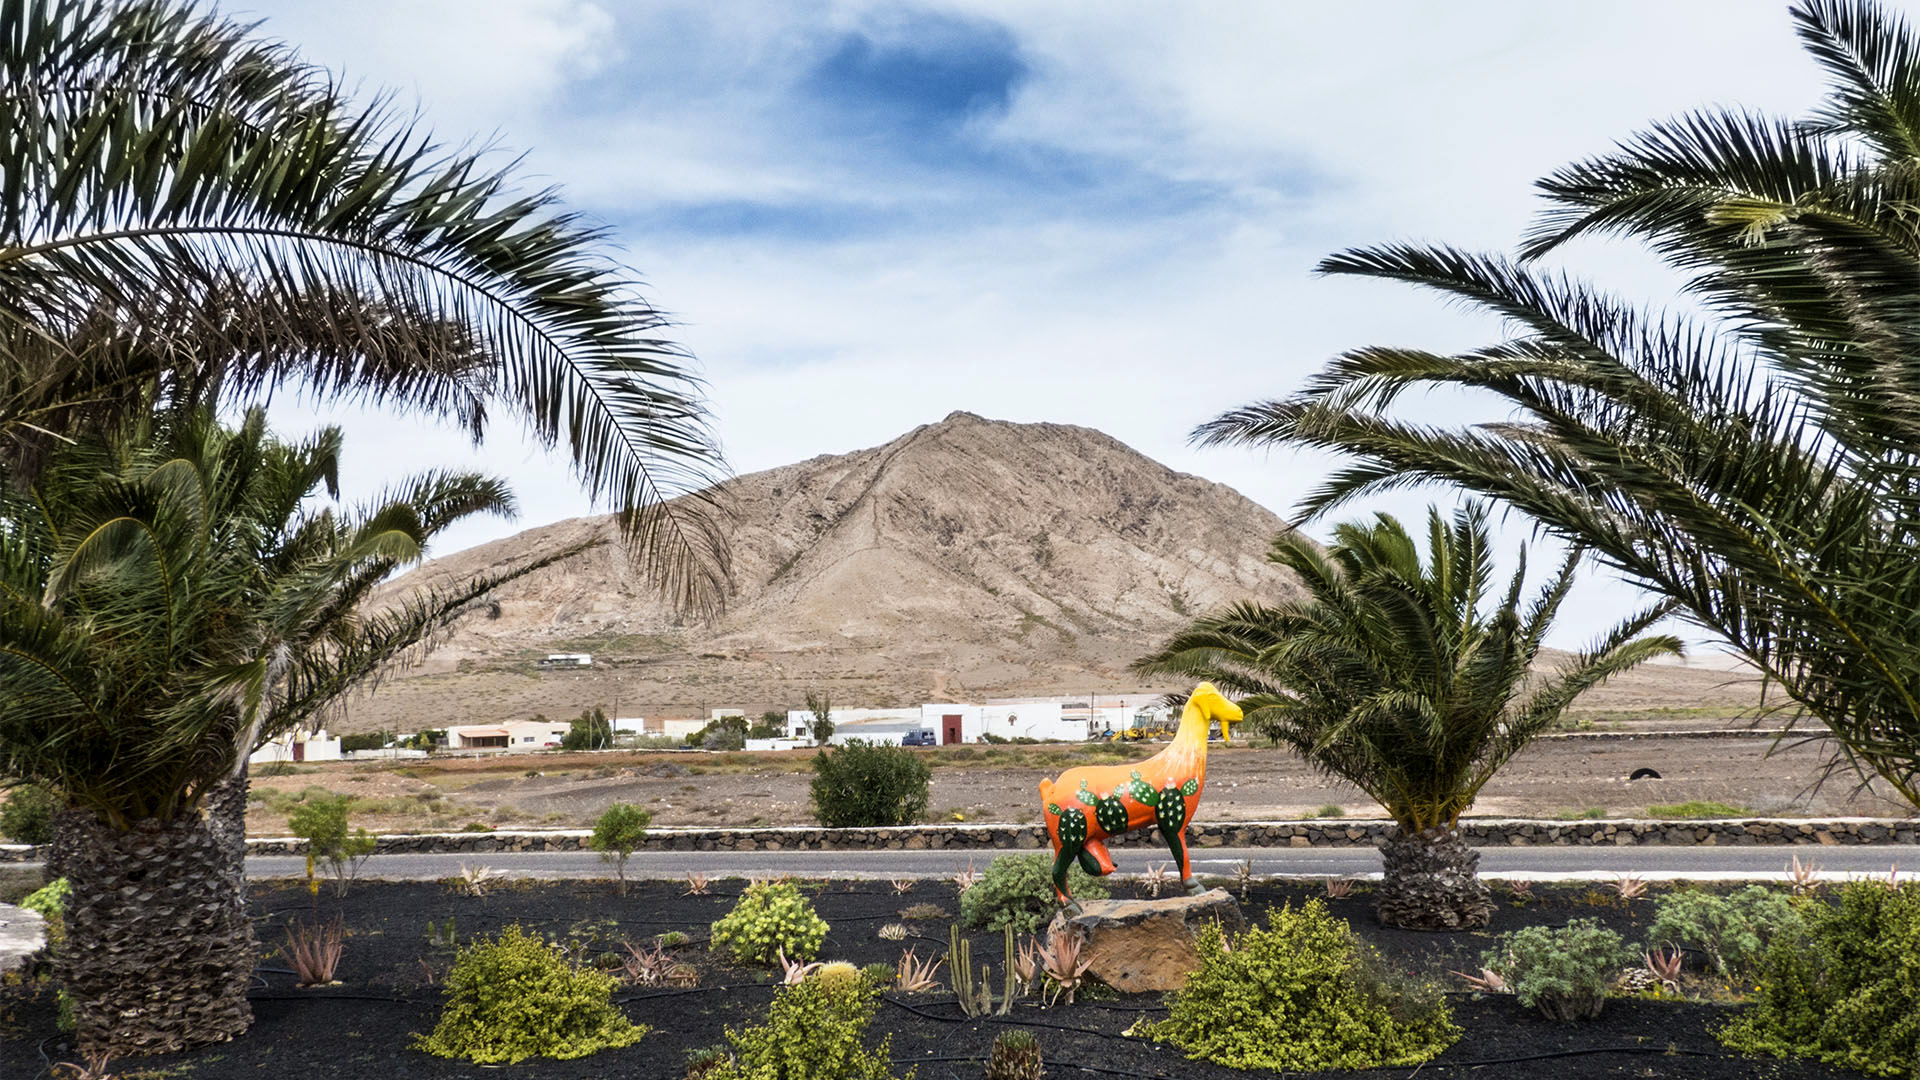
[(922, 74)]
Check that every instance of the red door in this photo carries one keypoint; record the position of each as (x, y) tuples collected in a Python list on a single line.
[(950, 729), (299, 750)]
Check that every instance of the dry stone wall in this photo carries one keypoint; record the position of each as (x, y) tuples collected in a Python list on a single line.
[(1299, 834)]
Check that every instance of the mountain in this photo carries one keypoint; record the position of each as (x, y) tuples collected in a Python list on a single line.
[(965, 559)]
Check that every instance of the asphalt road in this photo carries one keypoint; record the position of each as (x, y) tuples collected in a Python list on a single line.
[(1758, 863)]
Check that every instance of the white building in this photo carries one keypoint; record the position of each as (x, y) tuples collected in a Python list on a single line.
[(566, 660), (514, 736), (298, 745)]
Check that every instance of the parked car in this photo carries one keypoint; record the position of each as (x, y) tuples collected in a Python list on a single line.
[(923, 737)]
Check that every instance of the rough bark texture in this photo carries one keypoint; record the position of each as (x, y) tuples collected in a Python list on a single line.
[(159, 952), (225, 806), (1432, 882)]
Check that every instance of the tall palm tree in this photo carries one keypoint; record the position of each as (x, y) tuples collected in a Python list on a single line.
[(1760, 469), (1413, 681), (167, 600), (188, 210)]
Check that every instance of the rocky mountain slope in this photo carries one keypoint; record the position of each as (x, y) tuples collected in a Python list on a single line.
[(965, 559)]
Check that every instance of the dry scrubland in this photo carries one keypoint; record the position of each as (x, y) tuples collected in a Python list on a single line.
[(1564, 777)]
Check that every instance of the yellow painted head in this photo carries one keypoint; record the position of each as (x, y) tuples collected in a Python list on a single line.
[(1214, 706)]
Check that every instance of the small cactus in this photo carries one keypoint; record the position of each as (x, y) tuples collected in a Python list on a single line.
[(1015, 1056), (1172, 810), (1111, 814)]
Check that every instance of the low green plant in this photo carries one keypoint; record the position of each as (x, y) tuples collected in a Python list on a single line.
[(619, 829), (1734, 930), (1017, 891), (814, 1030), (1015, 1056), (515, 996), (27, 815), (771, 919), (869, 785), (1591, 813), (1563, 971), (50, 902), (1697, 810), (1303, 993), (321, 820), (1848, 994), (1331, 810)]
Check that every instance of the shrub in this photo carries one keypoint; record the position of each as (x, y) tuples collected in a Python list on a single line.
[(1302, 994), (591, 731), (863, 785), (814, 1031), (1697, 811), (1017, 891), (726, 733), (1564, 971), (372, 740), (769, 920), (517, 997), (50, 901), (1015, 1056), (620, 828), (1849, 994), (1734, 930), (321, 820), (27, 815)]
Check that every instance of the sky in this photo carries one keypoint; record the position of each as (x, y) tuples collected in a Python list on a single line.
[(864, 216)]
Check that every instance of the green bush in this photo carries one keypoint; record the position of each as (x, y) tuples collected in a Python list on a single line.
[(1017, 891), (1565, 971), (1733, 930), (864, 785), (814, 1031), (1847, 995), (372, 740), (517, 997), (769, 920), (50, 901), (321, 820), (591, 731), (620, 828), (726, 733), (27, 815), (1302, 994)]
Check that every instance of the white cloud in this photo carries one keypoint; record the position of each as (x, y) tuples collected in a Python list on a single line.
[(1314, 127)]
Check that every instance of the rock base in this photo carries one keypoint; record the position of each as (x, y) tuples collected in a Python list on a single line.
[(1140, 945)]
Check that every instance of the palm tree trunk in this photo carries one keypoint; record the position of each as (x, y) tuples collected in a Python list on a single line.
[(159, 952), (225, 805), (1432, 882)]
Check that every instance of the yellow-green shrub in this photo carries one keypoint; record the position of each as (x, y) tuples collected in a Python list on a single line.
[(1302, 994), (814, 1031), (517, 997), (770, 919), (1848, 995)]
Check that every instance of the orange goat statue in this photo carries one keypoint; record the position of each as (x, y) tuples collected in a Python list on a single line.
[(1163, 791)]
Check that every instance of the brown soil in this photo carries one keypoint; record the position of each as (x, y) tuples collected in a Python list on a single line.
[(1554, 777)]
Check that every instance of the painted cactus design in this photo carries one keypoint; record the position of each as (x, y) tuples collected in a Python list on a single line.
[(1073, 827), (1142, 791), (1111, 814), (1171, 813)]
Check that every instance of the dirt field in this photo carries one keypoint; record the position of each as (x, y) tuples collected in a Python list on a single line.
[(1555, 777)]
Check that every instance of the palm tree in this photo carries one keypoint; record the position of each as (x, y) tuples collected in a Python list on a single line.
[(167, 602), (190, 213), (1398, 677), (1760, 469)]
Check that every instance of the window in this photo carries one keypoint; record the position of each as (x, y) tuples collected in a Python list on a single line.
[(526, 738)]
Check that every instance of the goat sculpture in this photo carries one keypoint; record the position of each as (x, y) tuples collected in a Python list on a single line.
[(1087, 804)]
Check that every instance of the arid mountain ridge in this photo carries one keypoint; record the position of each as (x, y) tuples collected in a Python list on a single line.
[(966, 559)]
